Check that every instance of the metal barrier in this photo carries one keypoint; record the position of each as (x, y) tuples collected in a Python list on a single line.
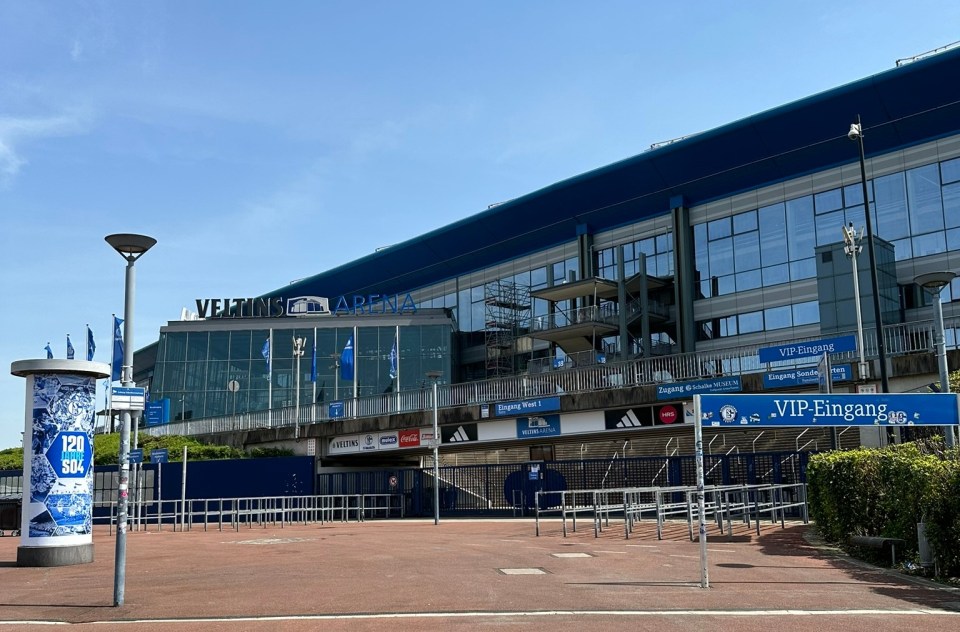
[(255, 511), (723, 503)]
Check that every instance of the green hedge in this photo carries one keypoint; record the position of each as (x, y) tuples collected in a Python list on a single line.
[(886, 492), (106, 450)]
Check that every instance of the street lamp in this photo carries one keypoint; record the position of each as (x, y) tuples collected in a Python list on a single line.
[(856, 134), (934, 283), (298, 346), (131, 248), (853, 248), (435, 375)]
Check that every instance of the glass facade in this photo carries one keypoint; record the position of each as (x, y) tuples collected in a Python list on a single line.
[(194, 368)]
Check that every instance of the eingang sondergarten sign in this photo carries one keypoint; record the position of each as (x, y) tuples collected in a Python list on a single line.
[(889, 409)]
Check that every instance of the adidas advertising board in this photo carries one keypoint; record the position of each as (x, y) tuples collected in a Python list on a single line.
[(461, 433), (644, 417)]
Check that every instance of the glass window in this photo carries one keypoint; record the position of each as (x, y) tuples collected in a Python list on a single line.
[(890, 207), (773, 275), (701, 249), (647, 247), (806, 313), (773, 235), (197, 345), (744, 222), (951, 205), (719, 228), (725, 285), (664, 242), (746, 251), (800, 227), (803, 269), (953, 239), (853, 194), (855, 215), (902, 249), (748, 280), (240, 345), (706, 285), (778, 317), (728, 326), (750, 322), (538, 278), (923, 197), (950, 170), (929, 244), (829, 228), (721, 257), (828, 201), (663, 265)]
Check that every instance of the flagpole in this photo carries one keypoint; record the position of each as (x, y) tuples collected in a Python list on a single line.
[(270, 378), (313, 374), (356, 358), (396, 341)]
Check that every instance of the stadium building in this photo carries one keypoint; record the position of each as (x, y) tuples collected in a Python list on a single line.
[(586, 313)]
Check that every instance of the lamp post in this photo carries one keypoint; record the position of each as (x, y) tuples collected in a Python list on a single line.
[(131, 248), (435, 375), (852, 248), (856, 134), (298, 346), (934, 283)]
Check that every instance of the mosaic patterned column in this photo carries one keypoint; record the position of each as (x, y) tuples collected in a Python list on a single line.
[(56, 527)]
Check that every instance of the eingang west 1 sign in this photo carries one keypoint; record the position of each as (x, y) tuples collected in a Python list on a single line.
[(887, 409)]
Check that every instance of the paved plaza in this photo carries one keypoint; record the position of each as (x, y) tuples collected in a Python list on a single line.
[(467, 575)]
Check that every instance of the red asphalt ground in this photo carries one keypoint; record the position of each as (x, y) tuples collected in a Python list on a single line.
[(414, 575)]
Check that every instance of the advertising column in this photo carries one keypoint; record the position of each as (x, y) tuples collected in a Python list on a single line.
[(56, 526)]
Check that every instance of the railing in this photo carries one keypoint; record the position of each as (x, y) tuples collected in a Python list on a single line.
[(901, 339)]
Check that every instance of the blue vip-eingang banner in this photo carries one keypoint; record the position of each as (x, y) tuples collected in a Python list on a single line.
[(807, 349), (888, 409)]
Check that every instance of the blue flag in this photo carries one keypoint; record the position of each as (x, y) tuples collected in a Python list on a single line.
[(91, 345), (116, 372), (49, 352), (266, 353), (346, 361), (69, 348), (393, 360), (313, 363)]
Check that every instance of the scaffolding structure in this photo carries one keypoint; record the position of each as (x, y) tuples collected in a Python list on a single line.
[(507, 312)]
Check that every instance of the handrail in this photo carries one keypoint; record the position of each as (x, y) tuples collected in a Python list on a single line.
[(610, 465), (753, 445), (666, 447), (714, 438), (813, 441), (796, 443), (901, 338)]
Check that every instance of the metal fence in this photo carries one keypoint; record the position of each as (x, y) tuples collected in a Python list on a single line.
[(586, 376)]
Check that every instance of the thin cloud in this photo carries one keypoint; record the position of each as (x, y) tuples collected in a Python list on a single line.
[(15, 132)]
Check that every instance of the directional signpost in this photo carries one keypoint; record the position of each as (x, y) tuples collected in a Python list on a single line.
[(814, 410), (127, 398)]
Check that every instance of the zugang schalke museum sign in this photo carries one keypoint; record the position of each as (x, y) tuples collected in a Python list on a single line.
[(275, 306), (891, 409)]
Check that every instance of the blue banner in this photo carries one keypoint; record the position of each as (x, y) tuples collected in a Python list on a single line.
[(265, 352), (346, 361), (313, 363), (889, 409), (157, 413), (512, 409), (117, 362), (91, 345), (679, 390), (69, 348), (808, 349), (804, 377), (545, 426)]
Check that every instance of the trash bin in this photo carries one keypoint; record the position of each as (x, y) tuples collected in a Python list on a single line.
[(10, 516)]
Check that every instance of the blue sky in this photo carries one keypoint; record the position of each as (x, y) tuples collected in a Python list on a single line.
[(262, 142)]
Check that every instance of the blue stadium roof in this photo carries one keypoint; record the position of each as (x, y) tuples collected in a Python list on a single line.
[(900, 107)]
